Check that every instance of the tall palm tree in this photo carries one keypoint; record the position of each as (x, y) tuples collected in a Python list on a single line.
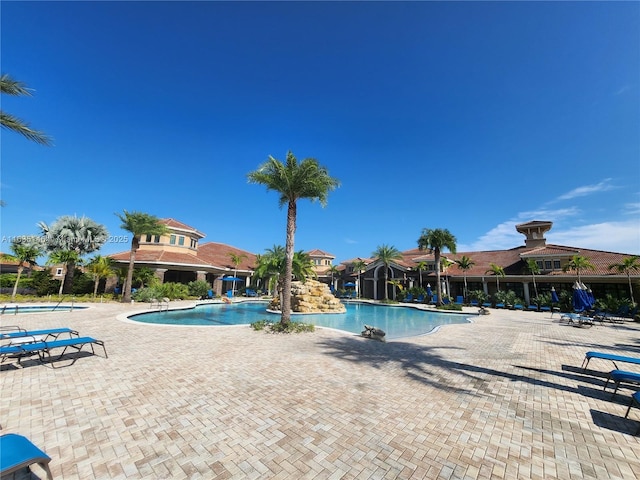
[(70, 259), (358, 266), (465, 264), (421, 266), (236, 259), (436, 240), (498, 271), (386, 254), (72, 234), (333, 271), (293, 181), (99, 267), (16, 88), (138, 224), (577, 264), (627, 265), (532, 267), (23, 253)]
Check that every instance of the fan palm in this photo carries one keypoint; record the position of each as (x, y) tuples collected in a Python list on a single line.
[(236, 259), (627, 265), (16, 88), (72, 234), (436, 240), (138, 224), (386, 254), (293, 180)]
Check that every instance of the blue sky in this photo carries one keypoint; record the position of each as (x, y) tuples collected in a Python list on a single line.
[(469, 116)]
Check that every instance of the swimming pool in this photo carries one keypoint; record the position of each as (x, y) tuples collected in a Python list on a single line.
[(397, 321), (14, 309)]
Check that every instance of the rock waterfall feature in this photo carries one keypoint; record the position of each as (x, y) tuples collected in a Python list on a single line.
[(311, 297)]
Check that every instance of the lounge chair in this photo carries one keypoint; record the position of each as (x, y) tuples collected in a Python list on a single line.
[(500, 305), (608, 356), (533, 308), (622, 376), (17, 452), (408, 298), (517, 306), (459, 300), (486, 304), (635, 398), (43, 349), (420, 298), (47, 334)]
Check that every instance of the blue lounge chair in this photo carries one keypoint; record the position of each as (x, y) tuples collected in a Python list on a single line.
[(47, 334), (408, 298), (622, 376), (474, 303), (500, 305), (533, 308), (420, 298), (635, 398), (517, 306), (486, 304), (608, 356), (17, 452), (43, 349), (459, 300)]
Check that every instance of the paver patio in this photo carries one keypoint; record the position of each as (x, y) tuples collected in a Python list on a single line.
[(503, 397)]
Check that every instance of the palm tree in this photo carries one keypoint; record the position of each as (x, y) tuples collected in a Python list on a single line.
[(138, 224), (23, 253), (386, 254), (436, 240), (236, 259), (420, 267), (16, 88), (533, 268), (80, 235), (302, 266), (577, 264), (333, 271), (142, 276), (465, 264), (70, 259), (498, 271), (358, 266), (99, 267), (626, 266), (269, 266), (293, 181)]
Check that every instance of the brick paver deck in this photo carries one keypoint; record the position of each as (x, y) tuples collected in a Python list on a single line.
[(501, 398)]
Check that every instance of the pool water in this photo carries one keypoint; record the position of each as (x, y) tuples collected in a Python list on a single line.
[(13, 309), (397, 322)]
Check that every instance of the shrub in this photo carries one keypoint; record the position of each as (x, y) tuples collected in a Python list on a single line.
[(278, 327), (479, 296), (199, 288), (450, 306)]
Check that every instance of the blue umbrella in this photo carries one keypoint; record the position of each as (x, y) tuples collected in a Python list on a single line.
[(429, 292), (580, 300), (231, 279), (350, 284), (554, 296)]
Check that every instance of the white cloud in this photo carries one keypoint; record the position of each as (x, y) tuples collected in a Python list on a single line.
[(504, 235), (603, 186), (350, 241), (621, 237), (632, 208), (621, 90)]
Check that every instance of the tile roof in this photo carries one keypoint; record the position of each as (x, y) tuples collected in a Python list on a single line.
[(171, 223), (219, 255), (319, 253)]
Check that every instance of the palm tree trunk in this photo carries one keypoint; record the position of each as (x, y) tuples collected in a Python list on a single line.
[(438, 286), (68, 278), (15, 285), (95, 286), (126, 293), (286, 294), (630, 287)]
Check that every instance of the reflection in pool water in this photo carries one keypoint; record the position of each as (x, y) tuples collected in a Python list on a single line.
[(396, 321)]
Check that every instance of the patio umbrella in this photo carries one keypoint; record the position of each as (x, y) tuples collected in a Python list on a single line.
[(580, 299), (350, 284), (231, 279), (429, 292), (554, 296)]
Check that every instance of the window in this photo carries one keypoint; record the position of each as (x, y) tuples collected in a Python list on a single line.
[(148, 239), (156, 238), (547, 264), (172, 240), (539, 263), (58, 272), (556, 264), (194, 243), (181, 240)]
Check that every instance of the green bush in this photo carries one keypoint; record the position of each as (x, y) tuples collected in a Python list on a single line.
[(278, 327), (43, 283), (199, 288), (479, 296), (450, 306)]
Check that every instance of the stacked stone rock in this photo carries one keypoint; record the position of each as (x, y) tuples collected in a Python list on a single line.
[(312, 297)]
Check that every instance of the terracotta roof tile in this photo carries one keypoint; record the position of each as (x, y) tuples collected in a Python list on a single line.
[(171, 223)]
